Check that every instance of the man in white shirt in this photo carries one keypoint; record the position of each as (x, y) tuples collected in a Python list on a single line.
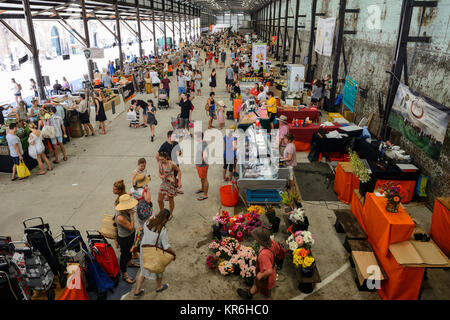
[(58, 124), (83, 114)]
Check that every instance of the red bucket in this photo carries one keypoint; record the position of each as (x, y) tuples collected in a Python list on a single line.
[(229, 195)]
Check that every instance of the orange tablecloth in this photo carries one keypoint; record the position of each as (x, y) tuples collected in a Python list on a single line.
[(357, 209), (406, 188), (384, 228), (345, 182), (440, 225)]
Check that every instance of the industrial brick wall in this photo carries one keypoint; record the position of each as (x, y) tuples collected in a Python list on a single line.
[(370, 54)]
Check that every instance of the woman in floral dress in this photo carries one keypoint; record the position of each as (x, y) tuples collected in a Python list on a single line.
[(168, 188)]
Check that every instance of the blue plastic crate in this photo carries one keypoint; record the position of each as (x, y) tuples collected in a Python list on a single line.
[(263, 196)]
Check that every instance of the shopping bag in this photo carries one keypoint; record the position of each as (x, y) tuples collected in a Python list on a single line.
[(109, 227), (131, 116), (22, 170)]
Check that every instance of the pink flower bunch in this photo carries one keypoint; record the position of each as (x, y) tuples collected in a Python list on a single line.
[(223, 217)]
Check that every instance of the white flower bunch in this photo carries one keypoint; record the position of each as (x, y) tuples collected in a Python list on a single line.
[(298, 215), (308, 238), (292, 243)]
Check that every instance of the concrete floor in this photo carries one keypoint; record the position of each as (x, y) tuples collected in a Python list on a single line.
[(78, 192)]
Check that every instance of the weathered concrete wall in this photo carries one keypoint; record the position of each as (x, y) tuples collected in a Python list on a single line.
[(370, 53)]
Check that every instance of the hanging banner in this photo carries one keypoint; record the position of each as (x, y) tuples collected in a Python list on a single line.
[(350, 90), (259, 54), (94, 53), (128, 92), (324, 36), (423, 121)]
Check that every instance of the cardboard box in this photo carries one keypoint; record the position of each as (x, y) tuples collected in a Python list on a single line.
[(366, 261), (350, 116), (419, 254)]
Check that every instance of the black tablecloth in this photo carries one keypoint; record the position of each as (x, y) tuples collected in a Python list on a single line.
[(392, 172), (324, 144), (6, 162), (367, 150)]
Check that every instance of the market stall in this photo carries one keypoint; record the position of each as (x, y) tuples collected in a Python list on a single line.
[(258, 172), (303, 135), (383, 229), (440, 225), (295, 112)]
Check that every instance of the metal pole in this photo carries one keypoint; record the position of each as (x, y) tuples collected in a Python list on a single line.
[(185, 18), (119, 39), (270, 23), (283, 55), (155, 45), (337, 51), (164, 23), (311, 41), (179, 24), (189, 24), (294, 46), (35, 52), (173, 23), (138, 17), (87, 38), (278, 32)]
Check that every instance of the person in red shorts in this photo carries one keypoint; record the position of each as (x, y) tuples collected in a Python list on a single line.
[(201, 162), (266, 272)]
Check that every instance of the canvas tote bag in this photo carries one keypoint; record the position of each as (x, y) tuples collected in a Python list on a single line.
[(155, 258), (109, 226)]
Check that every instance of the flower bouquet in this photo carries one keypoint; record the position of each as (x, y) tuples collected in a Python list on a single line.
[(361, 172), (257, 209), (253, 221), (298, 256), (289, 199), (391, 192), (306, 238), (308, 264), (212, 262), (220, 226), (299, 219), (225, 248), (226, 268)]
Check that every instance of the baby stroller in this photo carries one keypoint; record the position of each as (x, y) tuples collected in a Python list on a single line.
[(37, 272), (104, 254), (163, 101), (40, 238)]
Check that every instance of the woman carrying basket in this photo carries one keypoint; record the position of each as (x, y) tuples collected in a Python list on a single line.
[(155, 233)]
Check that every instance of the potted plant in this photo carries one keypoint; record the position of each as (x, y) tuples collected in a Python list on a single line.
[(273, 219), (361, 172), (391, 192)]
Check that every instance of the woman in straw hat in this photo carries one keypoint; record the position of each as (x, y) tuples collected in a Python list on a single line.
[(221, 114), (283, 130), (125, 233), (153, 229), (266, 272)]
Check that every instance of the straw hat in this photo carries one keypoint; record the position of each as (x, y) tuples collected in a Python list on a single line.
[(47, 116), (232, 127), (282, 118), (126, 202), (141, 180), (221, 103), (262, 235)]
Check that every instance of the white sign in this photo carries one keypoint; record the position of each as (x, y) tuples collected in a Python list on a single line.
[(94, 53), (259, 54), (324, 36)]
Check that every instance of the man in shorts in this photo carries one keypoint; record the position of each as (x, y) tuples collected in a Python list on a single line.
[(15, 148), (201, 163), (186, 111), (181, 83)]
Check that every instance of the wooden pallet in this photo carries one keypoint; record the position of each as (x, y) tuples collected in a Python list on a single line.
[(347, 223)]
